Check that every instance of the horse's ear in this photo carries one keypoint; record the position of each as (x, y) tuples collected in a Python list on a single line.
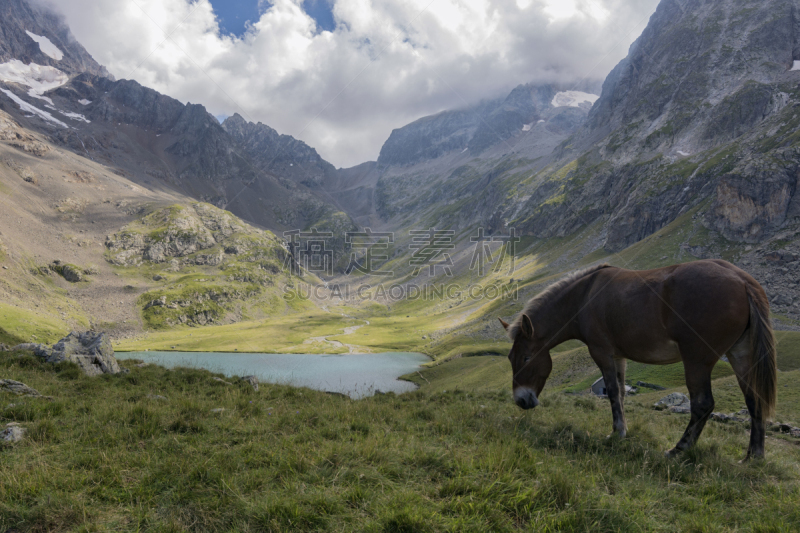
[(505, 324), (527, 326)]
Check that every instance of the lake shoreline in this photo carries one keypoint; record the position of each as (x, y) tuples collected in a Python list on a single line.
[(356, 375)]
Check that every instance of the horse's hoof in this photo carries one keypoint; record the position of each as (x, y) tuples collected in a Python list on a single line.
[(674, 452)]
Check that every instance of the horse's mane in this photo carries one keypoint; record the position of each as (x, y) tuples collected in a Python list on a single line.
[(545, 296)]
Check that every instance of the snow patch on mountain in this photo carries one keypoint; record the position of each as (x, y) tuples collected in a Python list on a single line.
[(796, 65), (75, 116), (573, 99), (527, 127), (28, 108), (46, 46), (84, 101), (38, 78)]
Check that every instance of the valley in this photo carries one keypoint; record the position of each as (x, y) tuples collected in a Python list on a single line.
[(129, 213)]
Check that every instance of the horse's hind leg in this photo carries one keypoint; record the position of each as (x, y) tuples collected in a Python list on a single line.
[(698, 381), (739, 357)]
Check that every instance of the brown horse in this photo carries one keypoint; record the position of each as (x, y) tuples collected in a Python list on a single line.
[(692, 312)]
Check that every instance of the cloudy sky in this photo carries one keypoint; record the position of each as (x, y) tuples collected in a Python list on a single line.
[(341, 74)]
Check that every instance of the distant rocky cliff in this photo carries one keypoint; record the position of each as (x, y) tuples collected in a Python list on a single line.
[(700, 113), (18, 18), (279, 154), (488, 124), (434, 136)]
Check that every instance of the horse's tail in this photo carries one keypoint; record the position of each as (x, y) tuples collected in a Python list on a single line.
[(763, 376)]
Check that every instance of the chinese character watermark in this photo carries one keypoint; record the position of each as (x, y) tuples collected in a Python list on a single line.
[(368, 242), (308, 251), (429, 245), (482, 255)]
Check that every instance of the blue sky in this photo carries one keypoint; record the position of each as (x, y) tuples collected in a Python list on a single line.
[(233, 14)]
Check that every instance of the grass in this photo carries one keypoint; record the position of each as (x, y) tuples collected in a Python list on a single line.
[(788, 343), (20, 325), (286, 459), (284, 334)]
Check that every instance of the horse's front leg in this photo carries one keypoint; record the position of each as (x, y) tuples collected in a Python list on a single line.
[(615, 393), (614, 379)]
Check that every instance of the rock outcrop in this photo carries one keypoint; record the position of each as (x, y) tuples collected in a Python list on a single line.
[(252, 381), (675, 402), (91, 351), (12, 433), (71, 273), (178, 232), (17, 387), (13, 134)]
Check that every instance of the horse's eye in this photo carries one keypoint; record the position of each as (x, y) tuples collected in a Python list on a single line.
[(526, 359)]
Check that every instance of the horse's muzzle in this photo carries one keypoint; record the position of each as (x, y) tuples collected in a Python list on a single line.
[(525, 398)]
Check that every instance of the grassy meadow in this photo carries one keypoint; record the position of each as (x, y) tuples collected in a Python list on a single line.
[(176, 450)]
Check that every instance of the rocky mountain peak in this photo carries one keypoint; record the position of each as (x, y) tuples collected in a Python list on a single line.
[(236, 124), (32, 33), (699, 75), (277, 153)]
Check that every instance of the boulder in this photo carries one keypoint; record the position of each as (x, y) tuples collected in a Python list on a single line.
[(786, 428), (16, 387), (675, 402), (252, 380), (91, 351), (210, 259), (160, 302), (13, 433), (72, 273)]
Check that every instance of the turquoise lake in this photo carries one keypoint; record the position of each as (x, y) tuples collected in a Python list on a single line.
[(357, 375)]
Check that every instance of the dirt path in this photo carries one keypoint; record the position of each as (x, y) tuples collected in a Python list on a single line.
[(352, 348)]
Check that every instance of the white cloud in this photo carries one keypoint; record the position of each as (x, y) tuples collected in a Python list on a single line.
[(387, 63)]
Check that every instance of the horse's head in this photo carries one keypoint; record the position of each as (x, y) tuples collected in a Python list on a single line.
[(530, 363)]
